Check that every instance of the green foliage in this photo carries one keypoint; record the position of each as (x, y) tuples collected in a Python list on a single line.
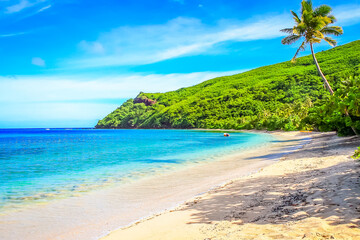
[(281, 96), (357, 154), (331, 114), (312, 26)]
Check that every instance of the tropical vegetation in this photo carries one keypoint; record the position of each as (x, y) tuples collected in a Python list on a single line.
[(312, 27), (357, 154), (287, 96)]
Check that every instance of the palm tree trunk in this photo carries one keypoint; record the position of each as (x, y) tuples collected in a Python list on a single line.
[(327, 85)]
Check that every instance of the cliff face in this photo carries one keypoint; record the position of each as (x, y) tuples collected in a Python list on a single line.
[(279, 96), (145, 100)]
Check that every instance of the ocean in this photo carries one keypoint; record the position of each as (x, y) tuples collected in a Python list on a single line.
[(81, 183), (39, 165)]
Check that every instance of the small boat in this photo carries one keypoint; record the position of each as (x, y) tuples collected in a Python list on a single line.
[(226, 135)]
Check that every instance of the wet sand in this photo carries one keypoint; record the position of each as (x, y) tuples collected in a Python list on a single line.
[(97, 213), (313, 193)]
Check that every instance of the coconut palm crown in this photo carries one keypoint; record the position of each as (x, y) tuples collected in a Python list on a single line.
[(312, 27)]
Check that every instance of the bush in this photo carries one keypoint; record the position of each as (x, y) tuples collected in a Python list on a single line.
[(357, 154)]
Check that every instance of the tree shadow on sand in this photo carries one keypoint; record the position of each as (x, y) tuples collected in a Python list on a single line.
[(272, 199), (327, 193)]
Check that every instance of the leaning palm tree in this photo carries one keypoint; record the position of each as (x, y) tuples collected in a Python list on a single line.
[(312, 27)]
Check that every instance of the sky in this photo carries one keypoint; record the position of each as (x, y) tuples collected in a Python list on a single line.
[(69, 63)]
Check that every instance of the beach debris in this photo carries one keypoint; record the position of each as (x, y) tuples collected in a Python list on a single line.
[(288, 201)]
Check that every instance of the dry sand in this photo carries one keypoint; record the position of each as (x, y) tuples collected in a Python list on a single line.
[(313, 193)]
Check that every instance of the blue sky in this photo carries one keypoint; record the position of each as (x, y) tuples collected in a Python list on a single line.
[(68, 63)]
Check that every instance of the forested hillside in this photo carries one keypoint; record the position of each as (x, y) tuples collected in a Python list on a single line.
[(288, 96)]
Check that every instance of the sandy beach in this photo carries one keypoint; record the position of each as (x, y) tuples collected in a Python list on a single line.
[(312, 193), (94, 214), (301, 185)]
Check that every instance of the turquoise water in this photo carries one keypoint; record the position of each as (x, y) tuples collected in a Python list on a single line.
[(37, 165)]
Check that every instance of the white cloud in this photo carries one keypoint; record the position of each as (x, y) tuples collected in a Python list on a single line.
[(178, 37), (182, 36), (44, 8), (24, 4), (92, 47), (38, 61), (12, 34), (70, 88), (45, 111), (347, 14), (18, 7), (45, 98)]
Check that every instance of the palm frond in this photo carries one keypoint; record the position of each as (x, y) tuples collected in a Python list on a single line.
[(290, 39), (322, 11), (306, 6), (332, 30), (319, 34), (301, 48), (296, 17), (313, 25), (315, 40), (326, 20), (298, 30), (307, 17), (301, 28), (331, 41), (287, 30), (318, 23), (332, 18)]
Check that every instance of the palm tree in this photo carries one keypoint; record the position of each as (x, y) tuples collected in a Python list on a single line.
[(313, 26)]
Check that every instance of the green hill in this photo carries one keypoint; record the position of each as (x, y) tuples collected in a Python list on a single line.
[(279, 96)]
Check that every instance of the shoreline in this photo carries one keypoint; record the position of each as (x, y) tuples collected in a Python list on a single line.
[(153, 227), (163, 172), (215, 187), (152, 196), (36, 198), (279, 135)]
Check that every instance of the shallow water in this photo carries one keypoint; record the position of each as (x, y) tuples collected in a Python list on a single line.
[(40, 165), (114, 191)]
